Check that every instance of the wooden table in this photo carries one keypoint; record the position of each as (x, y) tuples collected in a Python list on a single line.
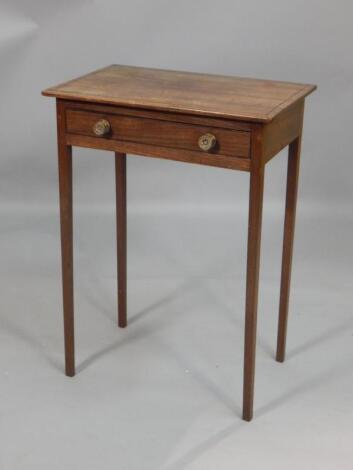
[(227, 122)]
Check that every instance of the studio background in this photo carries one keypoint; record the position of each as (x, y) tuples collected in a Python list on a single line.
[(166, 392)]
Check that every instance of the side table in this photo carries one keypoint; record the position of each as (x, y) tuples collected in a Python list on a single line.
[(228, 122)]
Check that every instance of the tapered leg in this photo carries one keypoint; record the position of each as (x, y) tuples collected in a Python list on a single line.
[(120, 173), (289, 225), (65, 187), (252, 283)]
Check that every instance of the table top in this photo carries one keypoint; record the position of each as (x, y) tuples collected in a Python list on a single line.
[(246, 99)]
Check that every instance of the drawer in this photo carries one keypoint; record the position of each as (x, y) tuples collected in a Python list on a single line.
[(160, 133)]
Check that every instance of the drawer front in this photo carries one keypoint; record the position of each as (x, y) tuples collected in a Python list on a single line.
[(161, 133)]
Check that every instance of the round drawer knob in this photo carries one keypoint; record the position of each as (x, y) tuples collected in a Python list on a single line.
[(101, 127), (207, 142)]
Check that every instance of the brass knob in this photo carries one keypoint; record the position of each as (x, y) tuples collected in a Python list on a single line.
[(207, 142), (101, 127)]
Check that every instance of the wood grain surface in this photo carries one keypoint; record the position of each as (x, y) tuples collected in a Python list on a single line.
[(163, 114), (184, 92), (160, 133)]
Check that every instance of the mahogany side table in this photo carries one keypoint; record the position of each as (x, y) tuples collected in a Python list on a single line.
[(228, 122)]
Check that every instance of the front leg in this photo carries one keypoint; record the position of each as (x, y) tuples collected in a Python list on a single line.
[(66, 222), (252, 280)]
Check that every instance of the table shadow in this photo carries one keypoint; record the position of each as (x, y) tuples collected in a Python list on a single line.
[(319, 339), (26, 337)]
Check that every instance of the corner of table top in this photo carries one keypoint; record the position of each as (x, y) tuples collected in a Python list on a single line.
[(53, 91), (305, 91)]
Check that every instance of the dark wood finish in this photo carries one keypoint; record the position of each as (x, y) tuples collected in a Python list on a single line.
[(282, 130), (232, 163), (66, 222), (237, 98), (120, 178), (162, 114), (288, 239), (159, 133), (252, 274)]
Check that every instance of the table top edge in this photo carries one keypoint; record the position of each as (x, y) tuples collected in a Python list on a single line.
[(259, 117)]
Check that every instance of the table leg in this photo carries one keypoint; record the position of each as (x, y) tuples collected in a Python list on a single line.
[(120, 177), (252, 283), (65, 189), (289, 225)]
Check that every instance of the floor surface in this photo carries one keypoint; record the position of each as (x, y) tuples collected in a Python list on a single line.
[(165, 393)]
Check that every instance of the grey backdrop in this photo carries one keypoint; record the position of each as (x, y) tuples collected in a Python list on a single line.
[(166, 392)]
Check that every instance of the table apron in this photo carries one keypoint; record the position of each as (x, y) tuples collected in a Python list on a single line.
[(182, 155)]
